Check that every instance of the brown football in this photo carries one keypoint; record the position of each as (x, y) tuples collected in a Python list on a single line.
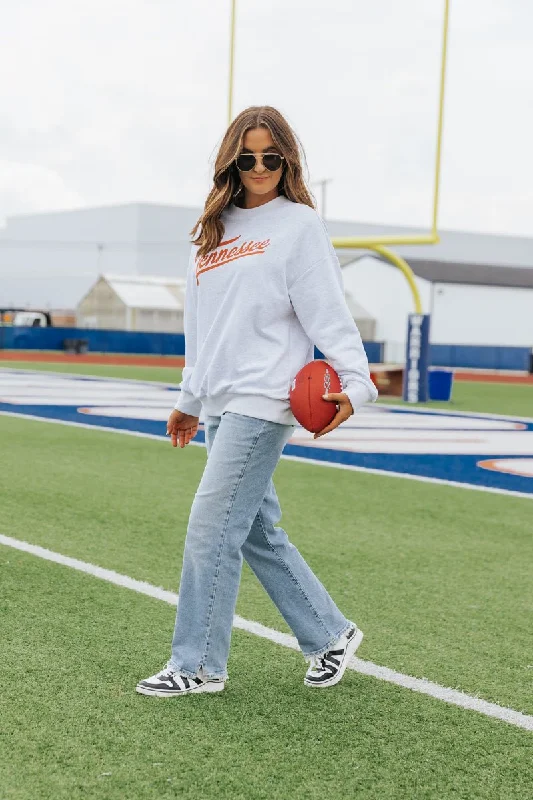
[(312, 381)]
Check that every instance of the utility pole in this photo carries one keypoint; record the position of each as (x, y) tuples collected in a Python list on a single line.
[(100, 251), (323, 184)]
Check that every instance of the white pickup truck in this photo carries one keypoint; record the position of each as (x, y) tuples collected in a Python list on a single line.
[(31, 319)]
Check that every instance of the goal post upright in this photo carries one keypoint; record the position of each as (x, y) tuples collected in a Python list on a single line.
[(380, 244)]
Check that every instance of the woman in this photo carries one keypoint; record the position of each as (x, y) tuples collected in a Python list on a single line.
[(264, 286)]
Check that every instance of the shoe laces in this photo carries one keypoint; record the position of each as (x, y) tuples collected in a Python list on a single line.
[(318, 663), (166, 672)]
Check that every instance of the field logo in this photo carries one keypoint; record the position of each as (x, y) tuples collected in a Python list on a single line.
[(474, 450), (415, 383)]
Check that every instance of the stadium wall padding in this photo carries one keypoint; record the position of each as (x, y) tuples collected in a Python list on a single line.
[(104, 341), (99, 341), (170, 344), (480, 357), (374, 352)]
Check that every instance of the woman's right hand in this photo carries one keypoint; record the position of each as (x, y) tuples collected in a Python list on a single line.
[(181, 426)]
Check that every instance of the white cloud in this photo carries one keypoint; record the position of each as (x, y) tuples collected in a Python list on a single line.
[(28, 188), (120, 100)]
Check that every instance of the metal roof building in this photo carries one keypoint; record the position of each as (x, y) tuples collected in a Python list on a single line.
[(133, 303), (480, 252), (52, 259), (479, 287)]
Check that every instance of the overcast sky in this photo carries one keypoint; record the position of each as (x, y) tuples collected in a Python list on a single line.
[(110, 101)]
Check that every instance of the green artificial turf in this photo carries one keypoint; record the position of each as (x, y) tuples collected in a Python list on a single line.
[(170, 375), (439, 578), (73, 648), (513, 399)]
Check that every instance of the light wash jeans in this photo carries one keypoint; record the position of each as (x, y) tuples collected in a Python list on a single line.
[(234, 514)]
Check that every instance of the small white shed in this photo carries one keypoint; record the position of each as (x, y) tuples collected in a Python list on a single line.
[(133, 303)]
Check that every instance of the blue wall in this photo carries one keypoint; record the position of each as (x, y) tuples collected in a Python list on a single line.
[(374, 352), (21, 338), (167, 344), (479, 357)]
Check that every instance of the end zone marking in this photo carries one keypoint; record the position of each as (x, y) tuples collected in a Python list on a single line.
[(314, 461), (421, 685), (513, 466)]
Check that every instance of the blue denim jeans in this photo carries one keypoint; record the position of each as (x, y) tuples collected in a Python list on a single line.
[(234, 515)]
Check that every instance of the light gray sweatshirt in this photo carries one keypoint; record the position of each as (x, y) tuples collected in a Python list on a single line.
[(256, 306)]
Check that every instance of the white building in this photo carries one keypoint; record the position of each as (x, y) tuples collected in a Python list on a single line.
[(478, 287), (52, 259), (133, 303)]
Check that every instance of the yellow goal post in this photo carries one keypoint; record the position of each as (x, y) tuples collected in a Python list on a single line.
[(380, 244)]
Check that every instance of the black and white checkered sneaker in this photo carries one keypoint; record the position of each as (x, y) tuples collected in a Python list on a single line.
[(328, 669), (169, 683)]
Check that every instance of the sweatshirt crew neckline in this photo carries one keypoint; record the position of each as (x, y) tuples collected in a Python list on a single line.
[(251, 213)]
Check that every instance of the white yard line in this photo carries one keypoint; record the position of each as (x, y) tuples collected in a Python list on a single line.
[(302, 460), (452, 413), (420, 685), (75, 375)]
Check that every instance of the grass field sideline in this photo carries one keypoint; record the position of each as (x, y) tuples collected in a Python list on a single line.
[(437, 577), (435, 564), (86, 734)]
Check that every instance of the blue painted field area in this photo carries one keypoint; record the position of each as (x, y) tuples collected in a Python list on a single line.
[(495, 453)]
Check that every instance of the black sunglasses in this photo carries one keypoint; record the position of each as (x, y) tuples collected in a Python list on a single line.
[(247, 161)]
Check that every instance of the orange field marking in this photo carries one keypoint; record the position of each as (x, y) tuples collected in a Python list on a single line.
[(491, 377)]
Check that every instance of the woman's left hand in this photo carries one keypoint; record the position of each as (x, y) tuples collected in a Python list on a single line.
[(345, 411)]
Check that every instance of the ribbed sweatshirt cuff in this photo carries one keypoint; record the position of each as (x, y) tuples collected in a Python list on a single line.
[(359, 394), (188, 404)]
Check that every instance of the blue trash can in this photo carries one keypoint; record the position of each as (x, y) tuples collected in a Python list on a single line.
[(440, 384)]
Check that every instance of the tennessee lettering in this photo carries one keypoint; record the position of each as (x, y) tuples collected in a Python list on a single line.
[(224, 254)]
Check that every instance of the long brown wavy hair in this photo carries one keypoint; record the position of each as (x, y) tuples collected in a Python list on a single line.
[(227, 185)]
